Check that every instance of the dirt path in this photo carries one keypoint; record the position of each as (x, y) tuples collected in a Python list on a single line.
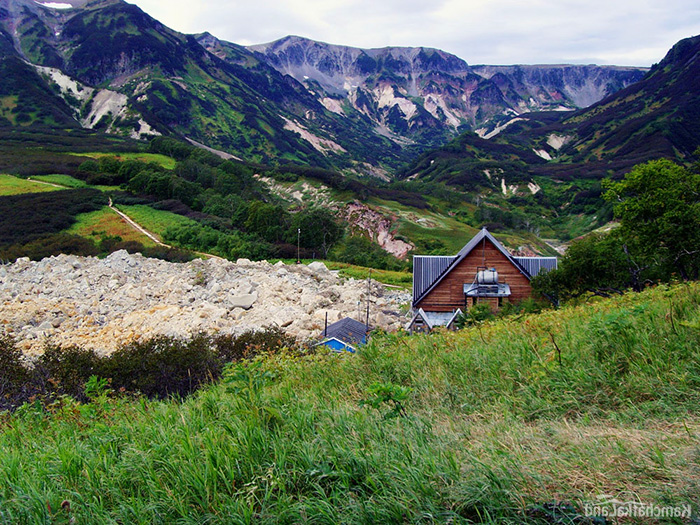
[(49, 184), (150, 235), (137, 226)]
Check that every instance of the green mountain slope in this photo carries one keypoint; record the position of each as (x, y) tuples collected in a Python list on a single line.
[(658, 117)]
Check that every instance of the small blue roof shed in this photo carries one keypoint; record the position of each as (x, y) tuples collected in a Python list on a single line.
[(345, 335)]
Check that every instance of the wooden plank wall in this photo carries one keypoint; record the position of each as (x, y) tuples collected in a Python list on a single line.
[(449, 294)]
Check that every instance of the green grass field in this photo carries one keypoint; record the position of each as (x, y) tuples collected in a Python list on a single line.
[(155, 221), (62, 180), (165, 161), (501, 423), (11, 185), (399, 279), (104, 222), (402, 280)]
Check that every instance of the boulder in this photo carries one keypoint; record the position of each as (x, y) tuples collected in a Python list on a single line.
[(319, 269), (245, 301)]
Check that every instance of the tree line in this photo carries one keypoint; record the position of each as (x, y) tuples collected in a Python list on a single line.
[(657, 206)]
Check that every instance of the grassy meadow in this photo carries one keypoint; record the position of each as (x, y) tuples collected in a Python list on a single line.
[(523, 420), (106, 222), (163, 160), (11, 185)]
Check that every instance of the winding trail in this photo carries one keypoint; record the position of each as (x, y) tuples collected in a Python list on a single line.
[(137, 226), (131, 222), (49, 184)]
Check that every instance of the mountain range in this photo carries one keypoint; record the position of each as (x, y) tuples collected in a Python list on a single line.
[(107, 65), (656, 117)]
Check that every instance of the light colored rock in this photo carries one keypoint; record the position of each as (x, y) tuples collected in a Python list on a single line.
[(101, 304), (243, 301), (318, 268)]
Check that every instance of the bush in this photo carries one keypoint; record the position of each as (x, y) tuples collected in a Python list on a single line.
[(252, 343), (163, 366), (64, 371), (157, 368), (13, 375)]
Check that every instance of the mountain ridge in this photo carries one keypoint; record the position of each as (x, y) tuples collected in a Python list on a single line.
[(400, 101)]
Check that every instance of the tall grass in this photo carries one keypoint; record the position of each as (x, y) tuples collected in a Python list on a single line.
[(155, 221), (501, 420)]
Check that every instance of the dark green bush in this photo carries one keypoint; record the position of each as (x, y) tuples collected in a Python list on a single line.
[(48, 245), (251, 343), (13, 375), (65, 370), (157, 368), (162, 366)]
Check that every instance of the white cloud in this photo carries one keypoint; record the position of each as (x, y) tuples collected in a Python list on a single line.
[(626, 32)]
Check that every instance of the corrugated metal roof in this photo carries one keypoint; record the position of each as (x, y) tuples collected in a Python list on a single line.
[(348, 330), (427, 269), (534, 265)]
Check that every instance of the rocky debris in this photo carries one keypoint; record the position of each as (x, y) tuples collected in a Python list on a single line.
[(377, 226), (103, 303)]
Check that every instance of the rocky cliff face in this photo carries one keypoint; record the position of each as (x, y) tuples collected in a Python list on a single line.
[(102, 303), (420, 91)]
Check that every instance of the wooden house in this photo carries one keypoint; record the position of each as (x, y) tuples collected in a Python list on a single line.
[(482, 272)]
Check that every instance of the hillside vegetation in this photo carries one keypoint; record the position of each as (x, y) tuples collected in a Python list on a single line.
[(520, 420)]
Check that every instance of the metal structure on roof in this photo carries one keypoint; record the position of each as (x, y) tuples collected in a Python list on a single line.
[(433, 319)]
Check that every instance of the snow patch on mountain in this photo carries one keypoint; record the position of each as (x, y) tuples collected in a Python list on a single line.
[(333, 105), (435, 104), (542, 154), (558, 141)]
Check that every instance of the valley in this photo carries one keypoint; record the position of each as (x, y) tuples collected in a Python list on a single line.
[(207, 309)]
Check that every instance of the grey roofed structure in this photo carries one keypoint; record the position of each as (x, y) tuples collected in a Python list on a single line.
[(534, 265), (433, 319), (429, 270), (348, 330)]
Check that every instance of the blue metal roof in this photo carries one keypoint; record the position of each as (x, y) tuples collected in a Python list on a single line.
[(348, 331)]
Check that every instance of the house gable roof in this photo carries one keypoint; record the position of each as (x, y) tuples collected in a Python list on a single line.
[(433, 319), (429, 271), (348, 331)]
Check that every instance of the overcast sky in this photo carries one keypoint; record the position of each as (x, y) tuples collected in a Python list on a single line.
[(621, 32)]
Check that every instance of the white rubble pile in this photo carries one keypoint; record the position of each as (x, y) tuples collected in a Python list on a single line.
[(103, 303)]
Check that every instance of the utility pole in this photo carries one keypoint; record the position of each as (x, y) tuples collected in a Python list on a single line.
[(298, 245), (369, 277)]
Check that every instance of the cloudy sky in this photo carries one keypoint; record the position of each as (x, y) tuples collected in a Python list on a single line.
[(621, 32)]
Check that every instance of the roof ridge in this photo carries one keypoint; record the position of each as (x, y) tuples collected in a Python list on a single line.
[(461, 255)]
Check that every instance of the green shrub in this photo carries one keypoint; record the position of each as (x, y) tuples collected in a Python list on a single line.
[(13, 375), (156, 368), (64, 371), (162, 366), (252, 343)]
